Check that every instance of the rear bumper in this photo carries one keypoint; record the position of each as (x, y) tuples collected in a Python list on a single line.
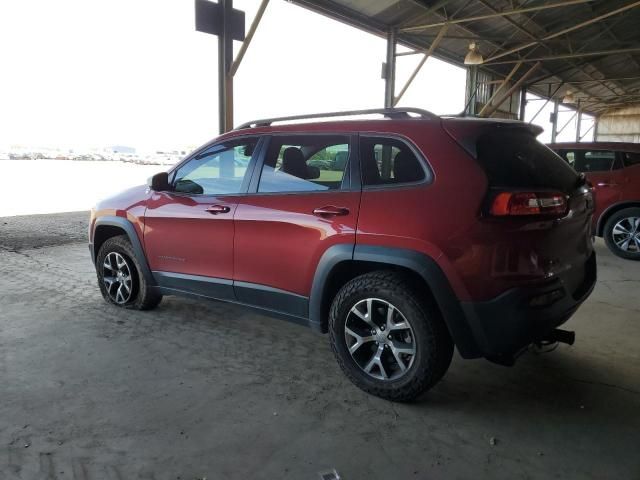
[(508, 323)]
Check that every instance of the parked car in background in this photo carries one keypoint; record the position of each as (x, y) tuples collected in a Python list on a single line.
[(400, 237), (614, 171)]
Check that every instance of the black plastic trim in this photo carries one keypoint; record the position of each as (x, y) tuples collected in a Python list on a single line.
[(264, 311), (263, 296), (329, 260), (218, 288), (129, 229), (443, 294), (508, 323)]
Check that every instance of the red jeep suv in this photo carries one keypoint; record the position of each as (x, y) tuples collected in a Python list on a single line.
[(400, 236), (614, 171)]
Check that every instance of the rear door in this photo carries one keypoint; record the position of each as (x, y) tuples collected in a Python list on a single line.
[(303, 200)]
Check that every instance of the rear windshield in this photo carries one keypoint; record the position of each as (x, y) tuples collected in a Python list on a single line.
[(513, 159)]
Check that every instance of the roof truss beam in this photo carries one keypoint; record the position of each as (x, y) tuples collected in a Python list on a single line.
[(517, 11)]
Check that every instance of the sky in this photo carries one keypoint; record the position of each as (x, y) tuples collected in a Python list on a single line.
[(95, 73), (90, 73)]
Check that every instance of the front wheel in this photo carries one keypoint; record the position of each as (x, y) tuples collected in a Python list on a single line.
[(119, 277), (388, 339), (622, 233)]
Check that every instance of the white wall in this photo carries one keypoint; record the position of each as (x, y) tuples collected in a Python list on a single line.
[(619, 126)]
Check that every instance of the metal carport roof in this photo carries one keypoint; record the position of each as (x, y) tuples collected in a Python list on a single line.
[(591, 47)]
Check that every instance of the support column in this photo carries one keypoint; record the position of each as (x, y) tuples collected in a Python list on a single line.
[(554, 123), (390, 70), (225, 57), (472, 86), (579, 125), (523, 103)]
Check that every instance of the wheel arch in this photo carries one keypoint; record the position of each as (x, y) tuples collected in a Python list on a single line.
[(342, 263), (612, 210), (111, 226)]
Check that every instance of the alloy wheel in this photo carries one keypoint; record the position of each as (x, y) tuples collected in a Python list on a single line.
[(626, 234), (117, 278), (380, 339)]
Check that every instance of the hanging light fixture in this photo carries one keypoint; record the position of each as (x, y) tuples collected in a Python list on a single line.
[(473, 55), (569, 97)]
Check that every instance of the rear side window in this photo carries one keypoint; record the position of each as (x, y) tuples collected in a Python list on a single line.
[(301, 163), (389, 161), (590, 160), (515, 159)]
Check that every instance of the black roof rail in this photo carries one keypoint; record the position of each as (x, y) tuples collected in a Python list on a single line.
[(387, 112)]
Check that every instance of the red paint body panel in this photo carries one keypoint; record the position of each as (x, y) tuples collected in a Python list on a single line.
[(182, 237), (615, 187), (130, 204), (279, 241)]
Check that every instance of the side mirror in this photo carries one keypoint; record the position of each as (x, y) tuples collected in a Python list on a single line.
[(160, 182)]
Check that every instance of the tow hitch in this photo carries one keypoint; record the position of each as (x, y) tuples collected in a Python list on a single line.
[(561, 336)]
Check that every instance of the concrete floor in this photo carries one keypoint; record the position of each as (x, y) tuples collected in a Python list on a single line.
[(194, 390)]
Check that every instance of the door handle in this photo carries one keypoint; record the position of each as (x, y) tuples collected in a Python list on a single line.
[(606, 184), (330, 211), (216, 209)]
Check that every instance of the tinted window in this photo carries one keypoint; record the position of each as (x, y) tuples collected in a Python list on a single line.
[(516, 159), (304, 163), (388, 161), (631, 159), (594, 161), (218, 170)]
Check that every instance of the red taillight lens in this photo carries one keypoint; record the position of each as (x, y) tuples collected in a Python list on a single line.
[(528, 203)]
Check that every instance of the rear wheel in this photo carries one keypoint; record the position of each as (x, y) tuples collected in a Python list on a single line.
[(622, 233), (388, 339), (119, 277)]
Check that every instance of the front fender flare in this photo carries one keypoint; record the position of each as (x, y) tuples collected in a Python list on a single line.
[(130, 231)]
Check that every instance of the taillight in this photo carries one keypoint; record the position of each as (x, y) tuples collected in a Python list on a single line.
[(528, 203)]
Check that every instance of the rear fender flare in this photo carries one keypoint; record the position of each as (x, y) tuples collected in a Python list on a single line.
[(423, 265)]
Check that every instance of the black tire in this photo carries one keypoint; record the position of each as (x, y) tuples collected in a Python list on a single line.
[(632, 212), (433, 345), (142, 297)]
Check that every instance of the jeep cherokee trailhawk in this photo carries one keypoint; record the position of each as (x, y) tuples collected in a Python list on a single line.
[(400, 236)]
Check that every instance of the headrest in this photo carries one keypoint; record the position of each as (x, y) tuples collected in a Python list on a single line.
[(404, 167), (293, 163)]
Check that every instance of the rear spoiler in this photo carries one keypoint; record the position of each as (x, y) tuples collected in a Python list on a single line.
[(465, 131)]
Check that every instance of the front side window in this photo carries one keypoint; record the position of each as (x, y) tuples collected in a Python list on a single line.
[(304, 163), (218, 170), (388, 161)]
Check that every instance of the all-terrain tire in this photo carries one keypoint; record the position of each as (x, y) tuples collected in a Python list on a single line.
[(434, 347), (143, 296), (630, 213)]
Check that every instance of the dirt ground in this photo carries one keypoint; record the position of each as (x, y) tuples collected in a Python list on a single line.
[(198, 390)]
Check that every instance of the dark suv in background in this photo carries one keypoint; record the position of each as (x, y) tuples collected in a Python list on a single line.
[(400, 237), (614, 171)]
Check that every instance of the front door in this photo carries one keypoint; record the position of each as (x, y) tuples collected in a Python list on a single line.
[(189, 230), (301, 204)]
